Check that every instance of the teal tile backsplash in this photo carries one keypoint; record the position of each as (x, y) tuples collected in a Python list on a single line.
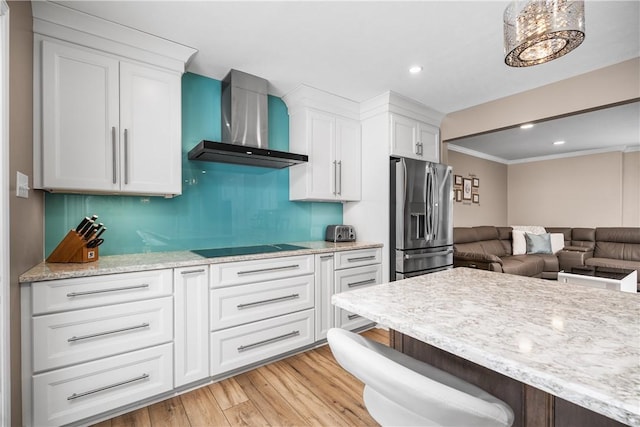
[(221, 204)]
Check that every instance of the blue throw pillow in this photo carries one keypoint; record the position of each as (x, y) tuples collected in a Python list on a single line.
[(538, 243)]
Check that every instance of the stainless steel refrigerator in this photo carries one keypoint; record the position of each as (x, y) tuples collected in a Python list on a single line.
[(421, 218)]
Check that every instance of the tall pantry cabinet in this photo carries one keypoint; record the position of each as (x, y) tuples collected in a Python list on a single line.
[(107, 115)]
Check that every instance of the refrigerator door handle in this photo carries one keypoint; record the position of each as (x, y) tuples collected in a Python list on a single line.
[(428, 219), (429, 255)]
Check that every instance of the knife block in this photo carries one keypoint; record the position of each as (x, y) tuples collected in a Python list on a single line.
[(73, 248)]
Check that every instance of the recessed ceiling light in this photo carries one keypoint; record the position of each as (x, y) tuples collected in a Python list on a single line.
[(526, 126), (415, 69), (559, 142)]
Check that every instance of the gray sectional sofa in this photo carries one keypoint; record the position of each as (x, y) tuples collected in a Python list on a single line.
[(490, 248)]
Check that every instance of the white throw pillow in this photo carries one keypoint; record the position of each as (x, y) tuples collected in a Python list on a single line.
[(557, 242), (519, 243), (533, 229)]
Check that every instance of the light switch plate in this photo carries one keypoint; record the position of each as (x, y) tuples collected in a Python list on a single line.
[(22, 185)]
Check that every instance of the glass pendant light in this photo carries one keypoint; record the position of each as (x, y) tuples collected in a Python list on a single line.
[(538, 31)]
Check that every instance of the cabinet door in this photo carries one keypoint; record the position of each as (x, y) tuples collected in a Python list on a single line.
[(323, 166), (429, 142), (191, 341), (79, 119), (349, 160), (150, 130), (324, 290), (404, 137)]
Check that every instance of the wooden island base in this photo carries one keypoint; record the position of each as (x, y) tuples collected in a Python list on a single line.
[(531, 406)]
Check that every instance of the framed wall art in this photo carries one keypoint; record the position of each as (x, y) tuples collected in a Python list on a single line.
[(466, 189), (457, 180), (476, 182), (476, 198)]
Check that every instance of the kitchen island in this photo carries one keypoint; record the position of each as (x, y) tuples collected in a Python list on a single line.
[(559, 354)]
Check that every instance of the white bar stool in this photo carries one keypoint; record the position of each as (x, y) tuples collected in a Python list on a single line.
[(402, 391)]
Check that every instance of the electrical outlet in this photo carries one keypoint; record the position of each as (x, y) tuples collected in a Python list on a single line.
[(22, 185)]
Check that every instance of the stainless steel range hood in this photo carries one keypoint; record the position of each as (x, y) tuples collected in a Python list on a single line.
[(245, 135)]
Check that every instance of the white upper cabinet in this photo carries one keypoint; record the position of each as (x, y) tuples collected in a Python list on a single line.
[(327, 129), (414, 139), (107, 106)]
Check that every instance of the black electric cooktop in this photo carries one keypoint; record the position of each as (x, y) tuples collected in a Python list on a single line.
[(246, 250)]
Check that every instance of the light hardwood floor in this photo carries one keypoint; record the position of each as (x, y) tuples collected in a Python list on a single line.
[(308, 389)]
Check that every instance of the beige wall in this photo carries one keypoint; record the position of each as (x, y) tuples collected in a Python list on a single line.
[(584, 191), (26, 215), (631, 190), (597, 190), (492, 209), (605, 86)]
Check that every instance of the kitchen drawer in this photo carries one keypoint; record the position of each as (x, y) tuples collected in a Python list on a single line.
[(236, 305), (237, 273), (65, 338), (236, 347), (71, 394), (358, 277), (350, 321), (71, 294), (358, 258)]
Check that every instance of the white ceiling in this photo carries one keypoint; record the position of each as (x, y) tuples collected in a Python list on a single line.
[(360, 49), (609, 129)]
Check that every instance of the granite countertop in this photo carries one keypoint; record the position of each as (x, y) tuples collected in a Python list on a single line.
[(579, 343), (159, 260)]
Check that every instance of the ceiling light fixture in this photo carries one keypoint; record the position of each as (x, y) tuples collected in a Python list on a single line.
[(415, 69), (539, 31), (526, 126), (559, 142)]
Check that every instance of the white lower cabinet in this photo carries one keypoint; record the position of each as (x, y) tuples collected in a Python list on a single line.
[(71, 394), (244, 345), (93, 346), (191, 312)]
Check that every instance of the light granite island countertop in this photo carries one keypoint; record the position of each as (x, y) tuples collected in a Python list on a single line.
[(128, 263), (578, 343)]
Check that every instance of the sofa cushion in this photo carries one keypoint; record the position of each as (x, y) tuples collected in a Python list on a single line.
[(551, 262), (523, 265), (483, 239), (618, 242), (583, 237), (488, 247)]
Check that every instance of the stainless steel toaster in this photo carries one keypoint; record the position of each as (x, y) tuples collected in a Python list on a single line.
[(340, 233)]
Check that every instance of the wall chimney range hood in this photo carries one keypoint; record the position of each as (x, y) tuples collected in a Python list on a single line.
[(244, 127)]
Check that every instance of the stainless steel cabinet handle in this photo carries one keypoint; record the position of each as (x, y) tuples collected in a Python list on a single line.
[(114, 331), (102, 291), (353, 316), (113, 154), (97, 390), (200, 270), (361, 283), (263, 270), (335, 177), (126, 156), (340, 178), (326, 256), (267, 301), (361, 258), (268, 341), (429, 255)]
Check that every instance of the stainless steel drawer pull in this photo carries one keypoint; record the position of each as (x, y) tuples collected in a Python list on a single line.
[(107, 387), (326, 256), (268, 341), (353, 316), (200, 270), (264, 270), (361, 283), (361, 258), (115, 331), (102, 291), (429, 255), (268, 301)]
